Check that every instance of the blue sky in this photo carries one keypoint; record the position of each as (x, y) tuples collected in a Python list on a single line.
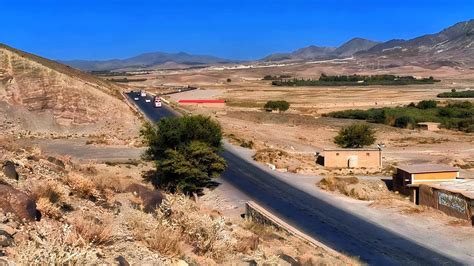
[(100, 29)]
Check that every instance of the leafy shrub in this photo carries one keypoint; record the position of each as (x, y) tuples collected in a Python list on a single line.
[(355, 136), (457, 94), (405, 122), (281, 106), (455, 115), (354, 80), (427, 104)]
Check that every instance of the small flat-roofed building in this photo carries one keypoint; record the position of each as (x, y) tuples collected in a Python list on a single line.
[(454, 197), (430, 126), (407, 178), (352, 158)]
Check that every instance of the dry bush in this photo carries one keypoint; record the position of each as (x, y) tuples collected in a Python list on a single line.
[(84, 187), (157, 236), (94, 231), (53, 244), (116, 184), (362, 189), (49, 198), (87, 169), (51, 190), (265, 232), (247, 244), (209, 237), (49, 209)]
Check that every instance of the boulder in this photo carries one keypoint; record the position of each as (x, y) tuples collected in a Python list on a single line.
[(57, 162), (18, 203), (6, 239), (9, 170), (151, 199), (122, 261)]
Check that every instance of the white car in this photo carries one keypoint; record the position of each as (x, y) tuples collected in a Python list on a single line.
[(147, 100), (136, 98)]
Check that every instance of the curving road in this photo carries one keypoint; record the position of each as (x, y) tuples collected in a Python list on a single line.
[(328, 224)]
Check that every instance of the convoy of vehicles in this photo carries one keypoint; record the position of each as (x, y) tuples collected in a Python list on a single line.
[(156, 100)]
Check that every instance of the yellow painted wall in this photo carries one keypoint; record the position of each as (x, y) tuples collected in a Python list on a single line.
[(434, 176)]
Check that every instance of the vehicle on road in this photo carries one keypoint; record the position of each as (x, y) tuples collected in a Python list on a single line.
[(147, 100), (142, 93), (136, 98), (157, 102)]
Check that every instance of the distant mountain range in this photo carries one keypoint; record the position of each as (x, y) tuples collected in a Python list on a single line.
[(146, 61), (451, 46), (317, 52)]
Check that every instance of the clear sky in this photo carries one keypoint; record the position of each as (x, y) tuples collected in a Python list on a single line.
[(105, 29)]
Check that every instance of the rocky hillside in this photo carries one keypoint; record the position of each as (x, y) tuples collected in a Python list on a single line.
[(451, 46), (353, 46), (71, 97), (313, 52)]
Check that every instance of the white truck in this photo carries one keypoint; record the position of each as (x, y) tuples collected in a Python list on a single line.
[(158, 102), (142, 93)]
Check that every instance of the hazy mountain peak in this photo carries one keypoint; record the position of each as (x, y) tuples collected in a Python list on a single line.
[(353, 46)]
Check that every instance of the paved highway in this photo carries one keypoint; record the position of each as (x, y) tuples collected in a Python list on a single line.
[(328, 224)]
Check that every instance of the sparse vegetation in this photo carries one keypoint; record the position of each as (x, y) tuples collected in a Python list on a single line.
[(355, 136), (454, 115), (362, 189), (355, 80), (93, 230), (457, 94), (276, 77), (281, 106), (126, 80), (185, 152)]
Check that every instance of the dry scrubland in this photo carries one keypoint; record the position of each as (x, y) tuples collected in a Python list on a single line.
[(289, 140), (95, 213)]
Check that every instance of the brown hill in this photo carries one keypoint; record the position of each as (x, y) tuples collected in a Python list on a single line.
[(69, 96)]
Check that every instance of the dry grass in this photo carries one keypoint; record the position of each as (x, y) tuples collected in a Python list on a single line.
[(247, 244), (265, 232), (156, 236), (115, 184), (49, 209), (84, 187), (362, 189), (49, 198), (93, 230), (51, 190), (208, 237), (53, 244)]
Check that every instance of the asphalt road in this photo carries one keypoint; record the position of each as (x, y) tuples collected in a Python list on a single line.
[(328, 224)]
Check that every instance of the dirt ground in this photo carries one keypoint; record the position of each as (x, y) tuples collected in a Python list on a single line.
[(301, 131), (92, 214)]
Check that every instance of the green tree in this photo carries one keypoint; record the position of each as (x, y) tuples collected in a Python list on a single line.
[(185, 151), (355, 136), (281, 106), (427, 104), (405, 121)]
